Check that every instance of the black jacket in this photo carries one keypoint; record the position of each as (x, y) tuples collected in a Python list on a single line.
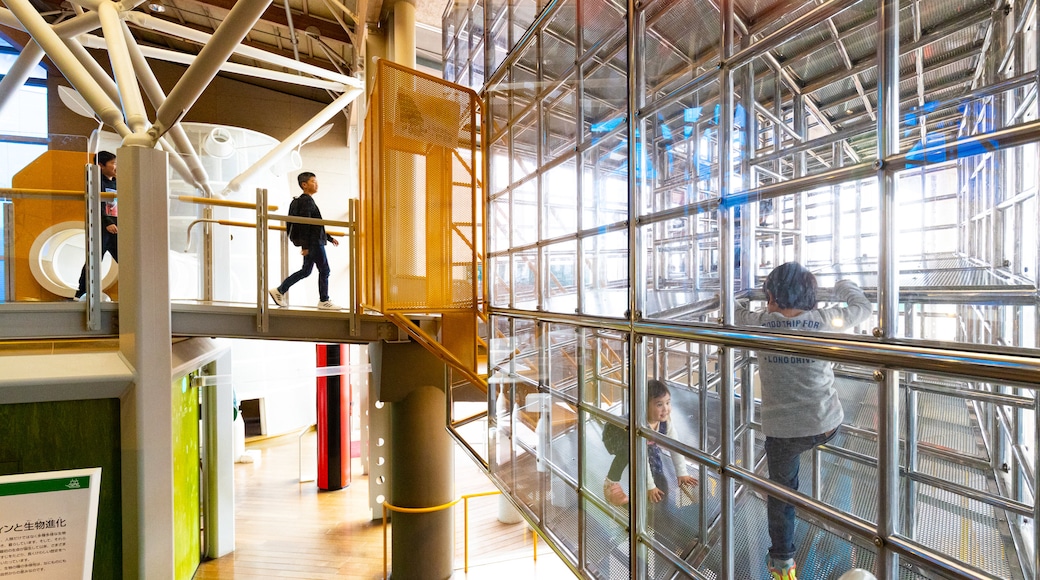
[(314, 234), (108, 206)]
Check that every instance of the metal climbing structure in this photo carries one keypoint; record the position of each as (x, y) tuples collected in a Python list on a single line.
[(648, 163)]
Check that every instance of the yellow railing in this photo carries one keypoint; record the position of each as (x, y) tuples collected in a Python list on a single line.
[(464, 498), (12, 192), (221, 202)]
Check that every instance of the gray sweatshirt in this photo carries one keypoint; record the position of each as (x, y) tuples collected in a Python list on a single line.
[(798, 396)]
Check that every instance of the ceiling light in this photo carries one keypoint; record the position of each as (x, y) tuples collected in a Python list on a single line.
[(156, 7), (219, 143)]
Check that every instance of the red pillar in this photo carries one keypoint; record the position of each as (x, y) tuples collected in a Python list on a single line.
[(333, 420)]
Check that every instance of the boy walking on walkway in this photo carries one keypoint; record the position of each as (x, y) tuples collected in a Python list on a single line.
[(312, 247)]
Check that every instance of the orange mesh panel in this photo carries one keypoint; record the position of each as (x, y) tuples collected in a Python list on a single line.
[(420, 194)]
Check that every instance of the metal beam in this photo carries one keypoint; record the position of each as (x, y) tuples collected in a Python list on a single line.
[(301, 21)]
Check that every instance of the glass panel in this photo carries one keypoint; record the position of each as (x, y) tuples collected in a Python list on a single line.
[(477, 433), (560, 123), (605, 373), (499, 35), (518, 408), (498, 218), (671, 494), (690, 371), (526, 136), (682, 268), (681, 42), (680, 145), (950, 470), (561, 279), (558, 42), (559, 190), (604, 191), (605, 540), (525, 211), (500, 284), (605, 274), (522, 14), (561, 511), (827, 231), (601, 18), (968, 261), (563, 367), (525, 279), (604, 101)]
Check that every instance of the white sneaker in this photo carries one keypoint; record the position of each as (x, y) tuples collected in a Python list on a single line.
[(278, 297), (326, 305)]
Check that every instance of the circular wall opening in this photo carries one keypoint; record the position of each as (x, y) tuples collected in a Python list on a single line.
[(56, 259)]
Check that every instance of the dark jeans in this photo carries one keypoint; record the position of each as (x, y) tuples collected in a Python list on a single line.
[(617, 467), (783, 455), (110, 244), (315, 257)]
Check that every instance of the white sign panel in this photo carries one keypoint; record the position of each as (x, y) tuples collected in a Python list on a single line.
[(47, 524)]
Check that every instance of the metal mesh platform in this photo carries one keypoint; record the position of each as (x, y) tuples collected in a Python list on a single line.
[(821, 553), (943, 422)]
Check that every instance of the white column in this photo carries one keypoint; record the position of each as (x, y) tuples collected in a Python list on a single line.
[(219, 511), (144, 341)]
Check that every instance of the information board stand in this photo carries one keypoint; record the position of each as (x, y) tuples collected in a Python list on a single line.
[(48, 522)]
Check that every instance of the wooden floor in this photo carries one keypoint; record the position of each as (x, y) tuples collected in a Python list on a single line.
[(285, 529)]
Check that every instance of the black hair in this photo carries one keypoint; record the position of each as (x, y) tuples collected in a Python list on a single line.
[(656, 389), (103, 157), (791, 285), (304, 177)]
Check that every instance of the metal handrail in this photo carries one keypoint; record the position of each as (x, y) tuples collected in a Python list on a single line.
[(29, 192), (231, 223), (464, 498), (1022, 371), (221, 202)]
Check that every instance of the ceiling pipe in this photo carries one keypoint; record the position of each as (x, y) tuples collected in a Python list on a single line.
[(345, 10), (292, 141), (91, 41), (106, 83), (122, 68), (71, 68), (176, 161), (89, 4), (243, 15), (120, 6), (196, 173), (20, 71), (172, 29), (92, 67), (71, 27), (292, 33), (339, 19)]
